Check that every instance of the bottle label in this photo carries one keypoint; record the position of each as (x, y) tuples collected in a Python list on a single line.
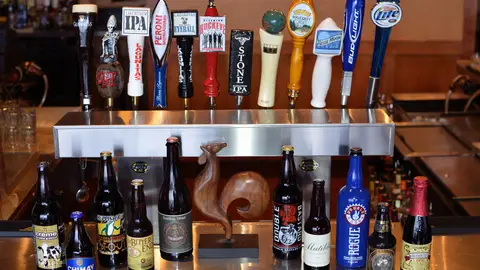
[(47, 247), (381, 259), (287, 227), (140, 252), (415, 256), (175, 232), (355, 214), (352, 248), (381, 226), (301, 19), (81, 264), (316, 250), (111, 234)]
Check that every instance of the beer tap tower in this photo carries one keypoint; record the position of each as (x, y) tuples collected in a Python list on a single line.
[(160, 39), (271, 40), (135, 25), (212, 41), (385, 15), (185, 29), (353, 25), (300, 21)]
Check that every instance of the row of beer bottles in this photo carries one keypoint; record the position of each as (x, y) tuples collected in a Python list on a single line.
[(354, 247), (117, 243)]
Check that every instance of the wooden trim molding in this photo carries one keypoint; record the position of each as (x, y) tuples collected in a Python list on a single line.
[(469, 27)]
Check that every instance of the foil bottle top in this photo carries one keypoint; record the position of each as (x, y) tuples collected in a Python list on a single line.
[(419, 202)]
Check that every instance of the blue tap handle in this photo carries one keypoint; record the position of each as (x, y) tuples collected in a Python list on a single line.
[(160, 97), (382, 36)]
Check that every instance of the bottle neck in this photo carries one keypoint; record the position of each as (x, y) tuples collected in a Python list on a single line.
[(288, 176), (355, 177), (317, 207), (139, 208), (382, 223), (107, 173), (172, 163), (419, 203), (78, 231), (43, 188)]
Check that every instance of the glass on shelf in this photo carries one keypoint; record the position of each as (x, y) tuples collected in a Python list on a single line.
[(17, 127)]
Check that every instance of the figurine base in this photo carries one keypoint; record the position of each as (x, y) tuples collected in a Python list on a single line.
[(215, 246)]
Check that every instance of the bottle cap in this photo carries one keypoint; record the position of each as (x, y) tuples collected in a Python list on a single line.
[(43, 165), (287, 148), (319, 182), (382, 206), (137, 182), (172, 140), (76, 215), (420, 182), (106, 154), (354, 151)]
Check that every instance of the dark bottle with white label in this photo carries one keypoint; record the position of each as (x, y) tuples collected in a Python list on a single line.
[(287, 211), (353, 210), (381, 243), (111, 236), (417, 233), (80, 250), (316, 250), (48, 228), (174, 209)]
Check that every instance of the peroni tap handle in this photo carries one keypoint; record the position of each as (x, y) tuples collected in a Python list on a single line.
[(301, 19)]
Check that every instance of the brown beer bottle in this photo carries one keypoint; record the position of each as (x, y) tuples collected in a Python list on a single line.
[(47, 225), (287, 211), (111, 238), (417, 233), (381, 243), (139, 232), (174, 208)]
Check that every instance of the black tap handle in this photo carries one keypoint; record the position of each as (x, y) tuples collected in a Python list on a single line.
[(185, 51), (241, 53)]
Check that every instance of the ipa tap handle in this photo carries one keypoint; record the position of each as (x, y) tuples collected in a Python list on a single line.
[(240, 71), (327, 43)]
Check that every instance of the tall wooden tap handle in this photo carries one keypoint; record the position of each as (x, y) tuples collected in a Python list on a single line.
[(300, 22)]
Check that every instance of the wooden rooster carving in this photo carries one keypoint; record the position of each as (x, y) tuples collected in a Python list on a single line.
[(246, 185)]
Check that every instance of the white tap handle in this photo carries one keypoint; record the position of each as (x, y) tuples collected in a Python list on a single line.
[(327, 43), (136, 45), (322, 76), (271, 45)]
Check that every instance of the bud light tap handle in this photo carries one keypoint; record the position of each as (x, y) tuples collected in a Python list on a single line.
[(301, 20), (385, 14), (185, 29), (160, 38), (327, 43), (240, 71), (353, 26)]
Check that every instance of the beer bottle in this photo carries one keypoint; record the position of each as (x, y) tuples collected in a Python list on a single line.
[(139, 231), (80, 251), (111, 238), (317, 231), (417, 233), (174, 209), (287, 211), (381, 243), (47, 225), (353, 216)]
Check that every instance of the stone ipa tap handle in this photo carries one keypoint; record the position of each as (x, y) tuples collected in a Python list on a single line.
[(246, 185)]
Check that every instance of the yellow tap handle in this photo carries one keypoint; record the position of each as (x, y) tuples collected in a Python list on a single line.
[(301, 20)]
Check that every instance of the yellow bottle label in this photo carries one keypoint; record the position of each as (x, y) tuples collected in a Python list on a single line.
[(111, 238), (140, 252), (415, 257), (47, 247)]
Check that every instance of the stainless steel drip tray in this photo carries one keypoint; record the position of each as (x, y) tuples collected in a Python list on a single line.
[(431, 139)]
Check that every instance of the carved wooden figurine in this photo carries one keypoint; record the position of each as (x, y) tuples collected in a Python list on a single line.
[(246, 185)]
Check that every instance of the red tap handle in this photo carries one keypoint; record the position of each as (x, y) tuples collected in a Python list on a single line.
[(211, 83)]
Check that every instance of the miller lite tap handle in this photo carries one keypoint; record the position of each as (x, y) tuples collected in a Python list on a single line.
[(209, 43), (84, 19), (353, 25), (240, 71), (185, 28), (385, 14), (328, 43), (271, 40), (160, 39), (135, 25), (301, 19)]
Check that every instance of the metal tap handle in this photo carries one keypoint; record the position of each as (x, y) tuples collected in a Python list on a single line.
[(185, 50)]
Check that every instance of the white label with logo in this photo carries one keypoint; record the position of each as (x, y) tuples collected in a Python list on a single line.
[(212, 34), (316, 250), (386, 14), (135, 21)]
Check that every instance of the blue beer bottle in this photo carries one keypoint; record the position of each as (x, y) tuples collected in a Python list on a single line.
[(353, 216)]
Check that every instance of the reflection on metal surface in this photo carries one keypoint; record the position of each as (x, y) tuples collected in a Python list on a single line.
[(448, 252), (139, 133)]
